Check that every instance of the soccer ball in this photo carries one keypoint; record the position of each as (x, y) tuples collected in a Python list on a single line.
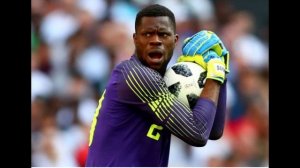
[(186, 80)]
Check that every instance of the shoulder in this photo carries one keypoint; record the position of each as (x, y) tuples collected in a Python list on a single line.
[(135, 72), (129, 70), (132, 63), (135, 67)]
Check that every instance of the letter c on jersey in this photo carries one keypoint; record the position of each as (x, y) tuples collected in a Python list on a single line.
[(150, 133)]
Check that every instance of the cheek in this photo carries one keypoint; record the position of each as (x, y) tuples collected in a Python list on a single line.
[(138, 46), (139, 43), (170, 46)]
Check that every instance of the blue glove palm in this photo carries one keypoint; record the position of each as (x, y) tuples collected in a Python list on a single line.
[(206, 49), (196, 46), (203, 41)]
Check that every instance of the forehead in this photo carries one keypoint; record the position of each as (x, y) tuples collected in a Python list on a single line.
[(155, 22)]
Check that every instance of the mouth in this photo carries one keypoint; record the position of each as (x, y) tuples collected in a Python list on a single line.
[(156, 56)]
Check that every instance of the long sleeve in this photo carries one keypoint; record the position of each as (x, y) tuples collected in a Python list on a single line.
[(219, 121)]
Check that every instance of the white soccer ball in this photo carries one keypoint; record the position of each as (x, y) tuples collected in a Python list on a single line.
[(186, 80)]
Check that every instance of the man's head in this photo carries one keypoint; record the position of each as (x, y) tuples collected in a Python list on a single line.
[(155, 36)]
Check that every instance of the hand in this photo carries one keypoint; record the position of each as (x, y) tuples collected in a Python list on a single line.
[(195, 49), (215, 66)]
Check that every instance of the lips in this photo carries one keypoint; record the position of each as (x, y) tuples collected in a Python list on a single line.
[(155, 56)]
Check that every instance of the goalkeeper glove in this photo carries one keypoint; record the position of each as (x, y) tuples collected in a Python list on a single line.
[(195, 47), (215, 66)]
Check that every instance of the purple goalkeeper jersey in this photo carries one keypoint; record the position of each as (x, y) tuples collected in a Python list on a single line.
[(136, 115)]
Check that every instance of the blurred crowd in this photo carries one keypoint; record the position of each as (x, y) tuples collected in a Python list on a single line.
[(76, 43)]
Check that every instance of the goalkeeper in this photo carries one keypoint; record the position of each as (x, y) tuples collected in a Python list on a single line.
[(136, 115)]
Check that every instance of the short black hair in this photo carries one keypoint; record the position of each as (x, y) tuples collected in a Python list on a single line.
[(153, 11)]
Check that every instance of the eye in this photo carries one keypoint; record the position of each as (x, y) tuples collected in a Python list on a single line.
[(163, 34), (147, 34)]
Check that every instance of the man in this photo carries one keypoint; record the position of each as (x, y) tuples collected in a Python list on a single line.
[(137, 114)]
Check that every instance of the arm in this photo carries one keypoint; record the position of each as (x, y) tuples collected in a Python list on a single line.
[(206, 49), (153, 98), (210, 94), (218, 126)]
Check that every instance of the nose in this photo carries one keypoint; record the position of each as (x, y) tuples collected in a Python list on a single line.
[(155, 40)]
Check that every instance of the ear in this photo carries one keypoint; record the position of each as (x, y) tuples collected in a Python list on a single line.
[(134, 37), (176, 38)]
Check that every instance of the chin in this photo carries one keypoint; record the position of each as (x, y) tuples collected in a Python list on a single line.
[(159, 69), (155, 67)]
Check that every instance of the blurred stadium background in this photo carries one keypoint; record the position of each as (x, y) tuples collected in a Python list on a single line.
[(76, 43)]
